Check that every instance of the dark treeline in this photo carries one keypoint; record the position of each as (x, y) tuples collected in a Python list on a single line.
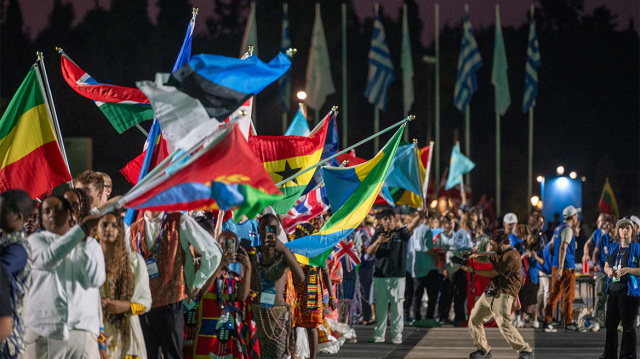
[(586, 115)]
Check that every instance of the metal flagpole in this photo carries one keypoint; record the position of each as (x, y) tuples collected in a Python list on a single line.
[(437, 90), (376, 128), (530, 167), (425, 186), (43, 80), (344, 74), (467, 138), (498, 182), (317, 117)]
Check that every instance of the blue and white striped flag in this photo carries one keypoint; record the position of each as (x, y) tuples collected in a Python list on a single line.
[(380, 67), (531, 69), (284, 83), (469, 62)]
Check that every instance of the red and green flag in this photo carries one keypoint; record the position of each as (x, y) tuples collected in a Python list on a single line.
[(31, 158), (608, 203)]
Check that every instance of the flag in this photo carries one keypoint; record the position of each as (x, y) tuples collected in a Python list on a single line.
[(207, 90), (319, 83), (402, 196), (459, 165), (31, 158), (308, 206), (285, 156), (315, 248), (284, 83), (469, 62), (250, 37), (531, 69), (380, 67), (499, 77), (225, 174), (330, 148), (608, 203), (346, 249), (299, 125), (406, 171), (406, 63), (124, 107)]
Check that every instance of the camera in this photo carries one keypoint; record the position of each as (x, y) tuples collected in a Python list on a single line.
[(490, 292), (459, 260)]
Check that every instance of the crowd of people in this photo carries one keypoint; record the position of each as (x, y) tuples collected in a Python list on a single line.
[(77, 284)]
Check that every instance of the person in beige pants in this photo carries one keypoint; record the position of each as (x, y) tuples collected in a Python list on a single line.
[(497, 300)]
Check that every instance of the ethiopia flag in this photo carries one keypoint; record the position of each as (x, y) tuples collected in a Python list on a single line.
[(224, 174), (284, 156), (124, 107), (315, 249), (608, 203), (31, 158)]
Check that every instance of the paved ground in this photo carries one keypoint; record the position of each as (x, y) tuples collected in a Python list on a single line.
[(449, 342)]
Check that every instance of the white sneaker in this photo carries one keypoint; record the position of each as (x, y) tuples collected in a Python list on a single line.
[(397, 340), (595, 327), (519, 323), (375, 339), (536, 324)]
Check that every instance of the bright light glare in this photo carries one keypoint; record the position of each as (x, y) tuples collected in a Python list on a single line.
[(563, 183), (301, 95), (573, 175), (535, 200), (540, 178), (434, 203), (560, 170)]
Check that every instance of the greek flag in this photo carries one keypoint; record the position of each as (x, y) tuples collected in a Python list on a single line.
[(468, 63), (284, 83), (531, 77), (380, 67)]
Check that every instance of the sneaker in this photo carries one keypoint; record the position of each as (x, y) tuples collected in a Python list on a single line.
[(549, 328), (573, 327), (519, 323), (397, 340), (375, 339), (525, 355), (480, 354), (536, 324), (595, 327)]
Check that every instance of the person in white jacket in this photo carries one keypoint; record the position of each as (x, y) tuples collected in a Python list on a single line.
[(62, 311)]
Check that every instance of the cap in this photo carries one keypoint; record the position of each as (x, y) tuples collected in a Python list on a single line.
[(624, 221), (510, 218), (635, 220), (570, 211)]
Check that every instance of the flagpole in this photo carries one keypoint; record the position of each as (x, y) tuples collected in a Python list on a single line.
[(498, 182), (437, 90), (415, 149), (408, 118), (376, 128), (317, 117), (344, 74), (530, 167), (462, 193), (467, 136), (43, 81), (425, 186)]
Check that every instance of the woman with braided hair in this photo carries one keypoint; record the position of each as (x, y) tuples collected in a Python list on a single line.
[(125, 294)]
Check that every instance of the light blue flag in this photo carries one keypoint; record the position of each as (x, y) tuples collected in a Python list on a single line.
[(458, 166), (405, 171), (299, 125), (469, 62), (499, 77), (531, 69), (380, 67)]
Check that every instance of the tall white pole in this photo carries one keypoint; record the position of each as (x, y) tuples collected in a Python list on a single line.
[(376, 128), (344, 75), (530, 167), (437, 108)]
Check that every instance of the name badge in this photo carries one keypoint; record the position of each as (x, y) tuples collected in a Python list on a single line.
[(152, 268), (606, 250), (268, 297)]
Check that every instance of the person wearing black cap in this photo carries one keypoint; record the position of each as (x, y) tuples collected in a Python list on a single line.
[(624, 292)]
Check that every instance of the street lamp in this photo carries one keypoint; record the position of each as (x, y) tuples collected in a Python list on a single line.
[(535, 200), (540, 179), (560, 170), (301, 95), (573, 175)]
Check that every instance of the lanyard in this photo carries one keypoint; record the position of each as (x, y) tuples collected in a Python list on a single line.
[(619, 257), (156, 243)]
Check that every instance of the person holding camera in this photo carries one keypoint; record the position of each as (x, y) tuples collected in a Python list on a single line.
[(498, 298), (389, 245)]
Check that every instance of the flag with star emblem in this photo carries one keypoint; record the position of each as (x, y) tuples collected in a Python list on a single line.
[(285, 156)]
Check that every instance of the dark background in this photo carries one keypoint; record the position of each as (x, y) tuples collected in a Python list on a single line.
[(587, 115)]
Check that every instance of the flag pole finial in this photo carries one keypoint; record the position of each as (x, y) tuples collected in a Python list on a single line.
[(411, 118), (291, 52), (415, 141), (194, 11), (334, 108), (300, 105), (59, 49), (39, 55), (250, 50)]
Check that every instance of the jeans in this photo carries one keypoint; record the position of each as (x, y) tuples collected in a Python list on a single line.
[(621, 308)]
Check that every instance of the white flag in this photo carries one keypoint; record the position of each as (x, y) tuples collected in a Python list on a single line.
[(319, 82)]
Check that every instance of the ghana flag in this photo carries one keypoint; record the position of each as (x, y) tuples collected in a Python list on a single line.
[(28, 145), (608, 203), (284, 156)]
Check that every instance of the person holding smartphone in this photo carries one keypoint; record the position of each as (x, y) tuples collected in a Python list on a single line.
[(270, 266)]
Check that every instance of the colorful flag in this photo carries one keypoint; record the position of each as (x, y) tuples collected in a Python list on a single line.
[(284, 156), (224, 174), (31, 158), (469, 62), (124, 107), (299, 125), (319, 82), (499, 77), (608, 203), (308, 207), (331, 145), (459, 165), (250, 37), (284, 83), (346, 249), (380, 67), (406, 62), (531, 69), (314, 249), (406, 171)]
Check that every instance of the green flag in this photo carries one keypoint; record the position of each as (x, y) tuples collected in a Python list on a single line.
[(499, 77)]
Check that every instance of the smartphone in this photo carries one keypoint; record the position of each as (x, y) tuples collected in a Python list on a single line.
[(246, 244), (230, 243), (271, 229)]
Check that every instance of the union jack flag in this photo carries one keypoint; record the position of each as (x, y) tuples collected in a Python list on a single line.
[(348, 250), (308, 206)]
